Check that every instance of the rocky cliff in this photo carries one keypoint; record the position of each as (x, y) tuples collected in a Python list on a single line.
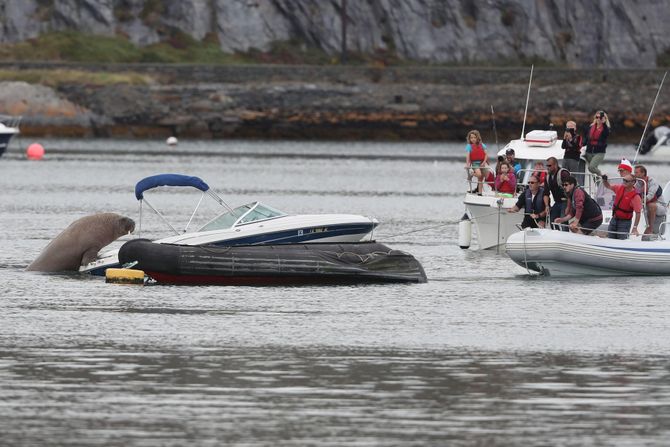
[(575, 33)]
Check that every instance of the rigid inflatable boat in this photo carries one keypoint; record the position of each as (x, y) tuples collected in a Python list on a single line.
[(319, 263), (559, 253)]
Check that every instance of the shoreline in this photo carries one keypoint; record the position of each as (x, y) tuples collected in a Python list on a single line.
[(325, 103)]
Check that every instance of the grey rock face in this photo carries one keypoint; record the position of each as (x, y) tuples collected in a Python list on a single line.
[(595, 33)]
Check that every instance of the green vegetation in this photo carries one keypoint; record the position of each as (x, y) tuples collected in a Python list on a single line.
[(180, 48), (70, 46), (54, 78)]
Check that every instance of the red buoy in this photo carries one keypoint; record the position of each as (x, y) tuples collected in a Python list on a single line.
[(35, 152)]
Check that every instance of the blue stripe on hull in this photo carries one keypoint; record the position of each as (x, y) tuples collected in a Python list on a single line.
[(299, 236)]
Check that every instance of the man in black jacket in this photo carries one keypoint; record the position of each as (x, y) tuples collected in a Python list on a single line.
[(553, 189), (532, 201)]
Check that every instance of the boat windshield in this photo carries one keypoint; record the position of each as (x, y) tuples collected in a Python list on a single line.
[(251, 212)]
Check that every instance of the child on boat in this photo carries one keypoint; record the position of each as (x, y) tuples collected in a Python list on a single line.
[(505, 182), (476, 158)]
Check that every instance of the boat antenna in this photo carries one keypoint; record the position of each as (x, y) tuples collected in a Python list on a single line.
[(651, 112), (495, 132), (530, 81)]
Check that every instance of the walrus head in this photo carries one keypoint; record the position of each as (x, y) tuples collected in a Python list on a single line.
[(126, 225)]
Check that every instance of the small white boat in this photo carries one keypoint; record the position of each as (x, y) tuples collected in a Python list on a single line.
[(559, 253), (488, 212), (9, 126), (251, 224)]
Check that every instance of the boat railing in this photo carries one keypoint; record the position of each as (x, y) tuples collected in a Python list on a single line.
[(470, 175)]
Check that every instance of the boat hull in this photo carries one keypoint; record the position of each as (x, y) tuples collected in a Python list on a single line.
[(282, 264), (324, 231), (557, 253), (492, 222)]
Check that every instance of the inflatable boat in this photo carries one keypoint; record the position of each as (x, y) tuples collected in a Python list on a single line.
[(282, 264), (559, 253)]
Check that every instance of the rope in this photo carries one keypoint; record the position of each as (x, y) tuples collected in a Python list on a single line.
[(417, 230)]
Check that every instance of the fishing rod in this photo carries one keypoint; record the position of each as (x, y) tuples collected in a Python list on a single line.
[(530, 81), (649, 117), (495, 132)]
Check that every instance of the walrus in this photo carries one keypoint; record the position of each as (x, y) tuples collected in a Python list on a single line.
[(81, 241)]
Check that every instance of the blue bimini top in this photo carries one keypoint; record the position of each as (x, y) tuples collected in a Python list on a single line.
[(168, 180)]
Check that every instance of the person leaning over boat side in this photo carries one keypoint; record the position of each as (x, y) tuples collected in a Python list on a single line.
[(654, 199), (553, 188), (533, 204), (572, 144), (586, 212), (506, 180), (596, 141), (476, 158), (626, 200)]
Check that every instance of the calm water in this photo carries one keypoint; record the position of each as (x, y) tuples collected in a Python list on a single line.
[(482, 354)]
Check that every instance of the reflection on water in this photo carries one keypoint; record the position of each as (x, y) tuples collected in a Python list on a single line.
[(482, 354), (97, 395)]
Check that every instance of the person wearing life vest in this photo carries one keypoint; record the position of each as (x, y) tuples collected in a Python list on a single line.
[(505, 181), (586, 212), (627, 203), (553, 189), (596, 141), (476, 159), (533, 204), (653, 197)]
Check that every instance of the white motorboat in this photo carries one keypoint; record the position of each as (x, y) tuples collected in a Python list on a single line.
[(9, 126), (488, 212), (251, 224), (559, 253)]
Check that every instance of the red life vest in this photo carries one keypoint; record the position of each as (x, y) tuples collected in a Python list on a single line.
[(623, 208), (506, 187), (477, 152), (595, 134)]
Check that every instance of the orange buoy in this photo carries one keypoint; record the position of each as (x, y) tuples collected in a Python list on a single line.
[(35, 152)]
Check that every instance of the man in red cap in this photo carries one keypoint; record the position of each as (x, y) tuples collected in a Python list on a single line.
[(626, 201)]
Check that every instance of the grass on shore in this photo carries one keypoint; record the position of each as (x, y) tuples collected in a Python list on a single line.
[(54, 78)]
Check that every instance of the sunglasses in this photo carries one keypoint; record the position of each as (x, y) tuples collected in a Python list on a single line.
[(566, 184), (531, 183)]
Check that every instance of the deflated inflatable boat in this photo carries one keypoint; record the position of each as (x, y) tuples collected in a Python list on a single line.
[(343, 263)]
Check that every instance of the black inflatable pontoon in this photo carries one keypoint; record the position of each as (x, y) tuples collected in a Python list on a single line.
[(343, 263)]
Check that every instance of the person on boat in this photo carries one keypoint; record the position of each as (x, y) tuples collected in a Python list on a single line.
[(596, 141), (553, 189), (626, 202), (653, 196), (539, 172), (586, 212), (476, 158), (533, 204), (506, 180), (572, 145), (510, 156)]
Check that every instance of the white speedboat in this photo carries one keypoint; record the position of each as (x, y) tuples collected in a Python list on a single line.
[(9, 126), (559, 253), (251, 224), (488, 212)]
